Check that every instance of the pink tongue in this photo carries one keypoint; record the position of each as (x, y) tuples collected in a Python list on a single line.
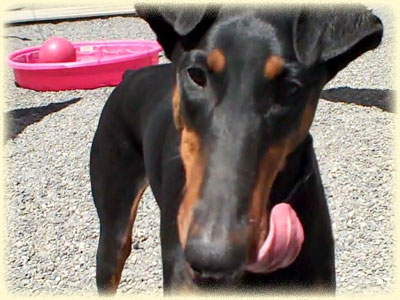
[(283, 242)]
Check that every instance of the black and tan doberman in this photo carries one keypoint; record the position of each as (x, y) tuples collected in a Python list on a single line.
[(221, 135)]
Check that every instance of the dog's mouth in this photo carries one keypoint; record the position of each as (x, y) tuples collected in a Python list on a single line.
[(283, 242)]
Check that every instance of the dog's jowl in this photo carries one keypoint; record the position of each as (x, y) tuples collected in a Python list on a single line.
[(222, 137)]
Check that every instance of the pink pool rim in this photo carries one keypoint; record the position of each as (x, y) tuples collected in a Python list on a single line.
[(98, 64)]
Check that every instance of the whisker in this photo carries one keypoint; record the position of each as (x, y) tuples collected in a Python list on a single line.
[(174, 157)]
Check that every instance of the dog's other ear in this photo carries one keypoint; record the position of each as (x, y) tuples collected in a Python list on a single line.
[(174, 25), (335, 36), (184, 21)]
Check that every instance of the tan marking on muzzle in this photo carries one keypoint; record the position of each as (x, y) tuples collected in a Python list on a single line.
[(271, 164), (273, 67), (176, 103), (304, 127), (193, 166), (216, 60)]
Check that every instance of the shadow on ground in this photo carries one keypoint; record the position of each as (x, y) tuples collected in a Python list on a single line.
[(383, 99), (17, 120)]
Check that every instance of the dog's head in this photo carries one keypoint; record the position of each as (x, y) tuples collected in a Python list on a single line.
[(247, 86)]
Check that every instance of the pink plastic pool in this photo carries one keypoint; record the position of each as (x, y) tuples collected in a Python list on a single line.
[(98, 64)]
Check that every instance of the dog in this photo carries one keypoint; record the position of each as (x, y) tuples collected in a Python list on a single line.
[(221, 135)]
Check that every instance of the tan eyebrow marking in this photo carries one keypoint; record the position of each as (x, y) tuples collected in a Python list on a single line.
[(216, 60), (273, 67)]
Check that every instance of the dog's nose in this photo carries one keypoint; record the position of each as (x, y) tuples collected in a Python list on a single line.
[(219, 260)]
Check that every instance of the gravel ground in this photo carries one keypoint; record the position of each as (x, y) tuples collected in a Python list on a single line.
[(52, 223)]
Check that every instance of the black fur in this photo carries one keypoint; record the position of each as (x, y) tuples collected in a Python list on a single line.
[(238, 115)]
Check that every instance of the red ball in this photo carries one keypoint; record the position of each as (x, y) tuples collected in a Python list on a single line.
[(57, 49)]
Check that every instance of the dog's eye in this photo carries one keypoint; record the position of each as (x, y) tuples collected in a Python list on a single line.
[(288, 92), (198, 76), (292, 87)]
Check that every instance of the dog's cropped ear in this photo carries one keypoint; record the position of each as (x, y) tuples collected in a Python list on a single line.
[(335, 36), (177, 25)]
